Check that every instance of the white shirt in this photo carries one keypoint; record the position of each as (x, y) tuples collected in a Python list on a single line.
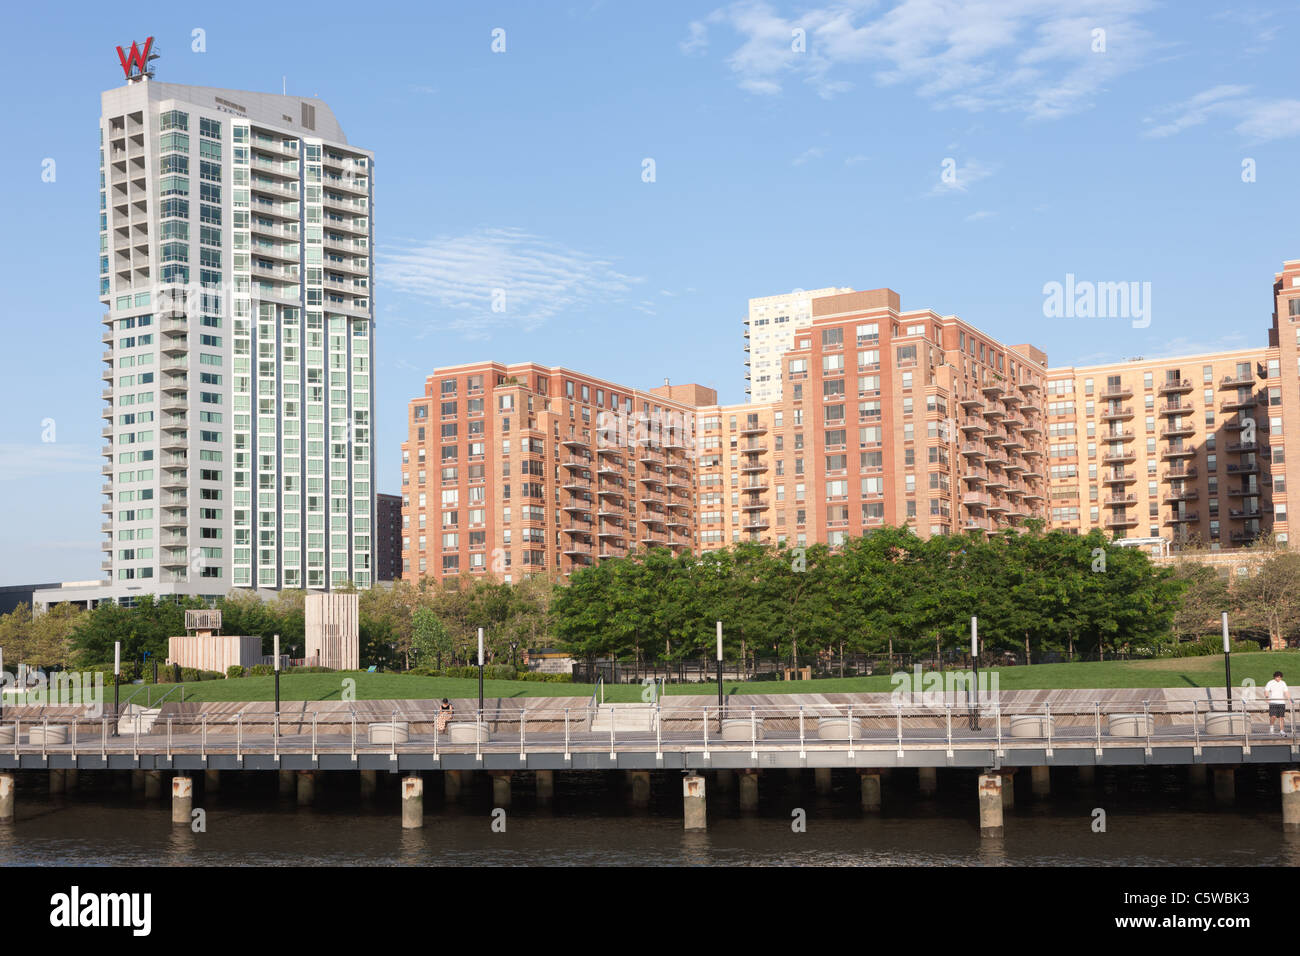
[(1276, 691)]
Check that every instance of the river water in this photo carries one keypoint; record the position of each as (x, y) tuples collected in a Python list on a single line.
[(1151, 817)]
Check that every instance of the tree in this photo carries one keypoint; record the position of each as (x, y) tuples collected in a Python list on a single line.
[(431, 640), (1270, 598)]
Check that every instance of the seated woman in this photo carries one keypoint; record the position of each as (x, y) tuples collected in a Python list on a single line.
[(444, 715)]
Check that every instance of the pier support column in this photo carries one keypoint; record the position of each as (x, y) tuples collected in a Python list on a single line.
[(451, 784), (545, 787), (501, 787), (1225, 785), (1087, 776), (211, 781), (748, 789), (7, 798), (1008, 789), (927, 779), (991, 789), (288, 784), (822, 780), (137, 781), (306, 787), (412, 802), (695, 814), (182, 800), (870, 780), (1040, 779), (58, 782), (640, 795), (369, 784), (153, 784), (70, 778), (1290, 801), (1196, 776)]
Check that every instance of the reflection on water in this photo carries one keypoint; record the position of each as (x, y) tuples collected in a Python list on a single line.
[(1152, 818)]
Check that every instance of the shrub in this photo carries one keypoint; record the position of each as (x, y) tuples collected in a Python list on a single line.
[(235, 670), (312, 669), (261, 670)]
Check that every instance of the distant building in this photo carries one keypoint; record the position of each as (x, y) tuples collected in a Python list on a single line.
[(388, 537)]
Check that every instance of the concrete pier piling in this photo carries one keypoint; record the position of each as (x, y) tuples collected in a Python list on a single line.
[(412, 802), (1196, 776), (369, 784), (501, 780), (748, 790), (306, 787), (1290, 801), (1225, 785), (991, 788), (58, 782), (6, 798), (1008, 789), (927, 780), (211, 781), (1040, 779), (639, 795), (153, 784), (182, 800), (451, 784), (287, 782), (822, 781), (871, 790), (695, 814), (545, 787), (70, 779)]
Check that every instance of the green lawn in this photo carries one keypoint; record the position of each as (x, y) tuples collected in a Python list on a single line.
[(1179, 672)]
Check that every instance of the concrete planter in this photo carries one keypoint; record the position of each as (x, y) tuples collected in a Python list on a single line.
[(7, 735), (740, 728), (837, 728), (1129, 725), (462, 732), (1233, 724), (47, 735), (390, 732), (1029, 725)]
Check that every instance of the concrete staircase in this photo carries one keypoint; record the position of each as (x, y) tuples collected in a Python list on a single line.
[(136, 718), (624, 717)]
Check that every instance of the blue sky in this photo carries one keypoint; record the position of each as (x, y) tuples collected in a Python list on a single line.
[(775, 168)]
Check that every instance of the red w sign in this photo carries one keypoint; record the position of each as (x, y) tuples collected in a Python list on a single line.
[(137, 59)]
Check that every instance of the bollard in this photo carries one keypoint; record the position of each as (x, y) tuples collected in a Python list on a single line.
[(927, 780), (1290, 801), (991, 788), (545, 787), (153, 784), (695, 813), (182, 800), (58, 782), (1040, 780), (639, 797), (871, 790), (306, 787), (748, 789), (6, 798), (822, 781), (501, 788), (370, 783), (1225, 785), (287, 783), (451, 784), (412, 802), (211, 781)]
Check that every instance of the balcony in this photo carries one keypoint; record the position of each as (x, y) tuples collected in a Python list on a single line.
[(974, 451), (1171, 453), (755, 523), (974, 475), (1184, 430), (1176, 409), (1121, 521), (1183, 517), (753, 428), (995, 482), (1175, 386), (1174, 497), (975, 499), (758, 484), (994, 390), (993, 413), (973, 425), (574, 442), (1244, 447), (1245, 468), (1239, 404), (1174, 474), (1246, 514), (970, 403), (1120, 478), (753, 467), (1119, 501), (573, 483), (1117, 414), (1237, 380), (1115, 393), (576, 462)]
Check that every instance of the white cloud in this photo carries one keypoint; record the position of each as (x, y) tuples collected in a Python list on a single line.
[(458, 275), (1254, 119), (980, 214), (854, 160), (965, 177), (815, 152), (1029, 56)]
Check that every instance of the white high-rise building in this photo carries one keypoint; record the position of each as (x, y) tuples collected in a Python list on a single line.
[(769, 333), (236, 233)]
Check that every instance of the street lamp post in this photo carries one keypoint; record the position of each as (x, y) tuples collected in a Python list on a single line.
[(1227, 661), (719, 670), (276, 651), (2, 681), (117, 680), (480, 671), (975, 666)]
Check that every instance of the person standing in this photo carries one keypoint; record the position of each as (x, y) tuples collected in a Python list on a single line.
[(1278, 696)]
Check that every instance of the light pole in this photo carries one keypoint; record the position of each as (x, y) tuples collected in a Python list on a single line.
[(2, 681), (719, 670), (975, 666), (276, 651), (1227, 662), (117, 680), (480, 671)]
